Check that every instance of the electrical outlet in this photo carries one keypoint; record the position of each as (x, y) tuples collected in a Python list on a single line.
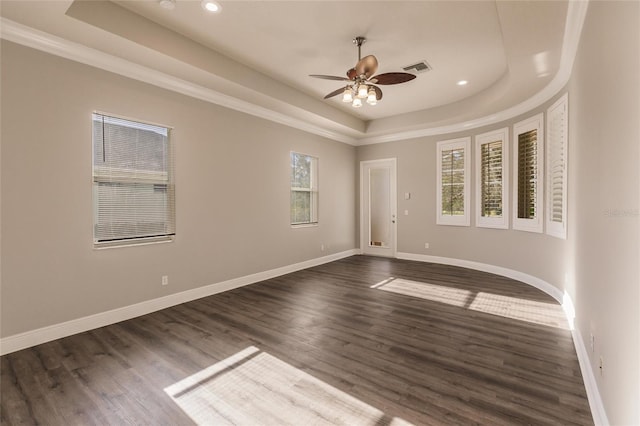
[(593, 342), (165, 280), (426, 245), (321, 247)]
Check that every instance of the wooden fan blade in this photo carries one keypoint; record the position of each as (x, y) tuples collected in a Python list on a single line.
[(367, 66), (334, 93), (329, 77), (392, 78), (378, 91), (352, 74)]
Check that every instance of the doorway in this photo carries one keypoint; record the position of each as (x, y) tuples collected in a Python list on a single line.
[(378, 207)]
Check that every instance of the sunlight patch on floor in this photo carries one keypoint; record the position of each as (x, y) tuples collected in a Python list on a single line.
[(253, 387), (433, 292), (549, 314)]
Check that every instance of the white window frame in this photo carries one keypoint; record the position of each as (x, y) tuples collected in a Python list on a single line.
[(101, 174), (464, 219), (501, 222), (557, 113), (535, 224), (313, 190)]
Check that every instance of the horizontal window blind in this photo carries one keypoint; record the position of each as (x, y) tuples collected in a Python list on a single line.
[(134, 194), (491, 179), (527, 174), (304, 189)]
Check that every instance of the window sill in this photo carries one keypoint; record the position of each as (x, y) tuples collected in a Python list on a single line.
[(132, 243), (304, 225)]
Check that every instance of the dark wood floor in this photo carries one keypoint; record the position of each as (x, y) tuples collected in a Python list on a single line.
[(430, 344)]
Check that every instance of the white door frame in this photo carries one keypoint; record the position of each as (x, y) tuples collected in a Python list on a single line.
[(364, 245)]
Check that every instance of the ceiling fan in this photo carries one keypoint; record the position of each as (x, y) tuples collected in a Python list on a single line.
[(361, 85)]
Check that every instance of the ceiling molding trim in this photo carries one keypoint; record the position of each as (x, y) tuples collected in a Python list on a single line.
[(36, 39), (576, 14), (30, 37)]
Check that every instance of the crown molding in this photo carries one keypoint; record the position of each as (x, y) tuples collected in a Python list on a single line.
[(576, 13), (30, 37), (40, 40)]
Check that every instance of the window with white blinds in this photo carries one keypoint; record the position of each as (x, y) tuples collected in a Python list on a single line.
[(492, 202), (557, 133), (453, 182), (528, 158), (304, 189), (133, 189)]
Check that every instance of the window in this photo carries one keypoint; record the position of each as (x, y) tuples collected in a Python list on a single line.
[(528, 157), (133, 191), (492, 201), (304, 189), (453, 182), (556, 218)]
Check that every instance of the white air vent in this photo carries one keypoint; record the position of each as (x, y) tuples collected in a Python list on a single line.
[(419, 67)]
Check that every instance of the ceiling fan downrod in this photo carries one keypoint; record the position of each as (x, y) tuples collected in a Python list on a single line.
[(359, 41)]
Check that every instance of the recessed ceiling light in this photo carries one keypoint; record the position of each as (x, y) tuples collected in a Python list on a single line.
[(168, 4), (462, 82), (211, 6)]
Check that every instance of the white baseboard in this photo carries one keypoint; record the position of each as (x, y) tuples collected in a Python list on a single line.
[(536, 282), (46, 334), (590, 384)]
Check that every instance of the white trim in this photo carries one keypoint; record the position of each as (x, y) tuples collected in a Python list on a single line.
[(501, 222), (593, 395), (451, 144), (589, 379), (36, 39), (49, 43), (46, 334), (536, 282), (535, 224)]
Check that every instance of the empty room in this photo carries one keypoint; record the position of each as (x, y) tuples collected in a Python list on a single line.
[(319, 212)]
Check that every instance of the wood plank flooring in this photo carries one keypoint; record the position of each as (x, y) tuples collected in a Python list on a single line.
[(363, 340)]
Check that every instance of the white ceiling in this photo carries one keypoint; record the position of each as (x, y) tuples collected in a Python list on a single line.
[(263, 51)]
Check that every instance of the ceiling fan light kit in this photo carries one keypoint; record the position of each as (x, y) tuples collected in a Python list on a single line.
[(361, 85)]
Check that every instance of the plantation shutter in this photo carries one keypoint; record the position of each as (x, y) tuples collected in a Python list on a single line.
[(527, 174), (453, 181), (132, 181), (557, 168), (491, 179)]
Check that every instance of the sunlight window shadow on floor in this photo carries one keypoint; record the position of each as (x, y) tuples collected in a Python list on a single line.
[(435, 293), (253, 387), (548, 314)]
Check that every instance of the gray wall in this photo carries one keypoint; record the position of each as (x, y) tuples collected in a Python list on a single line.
[(535, 254), (604, 202), (598, 263), (232, 191), (233, 222)]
